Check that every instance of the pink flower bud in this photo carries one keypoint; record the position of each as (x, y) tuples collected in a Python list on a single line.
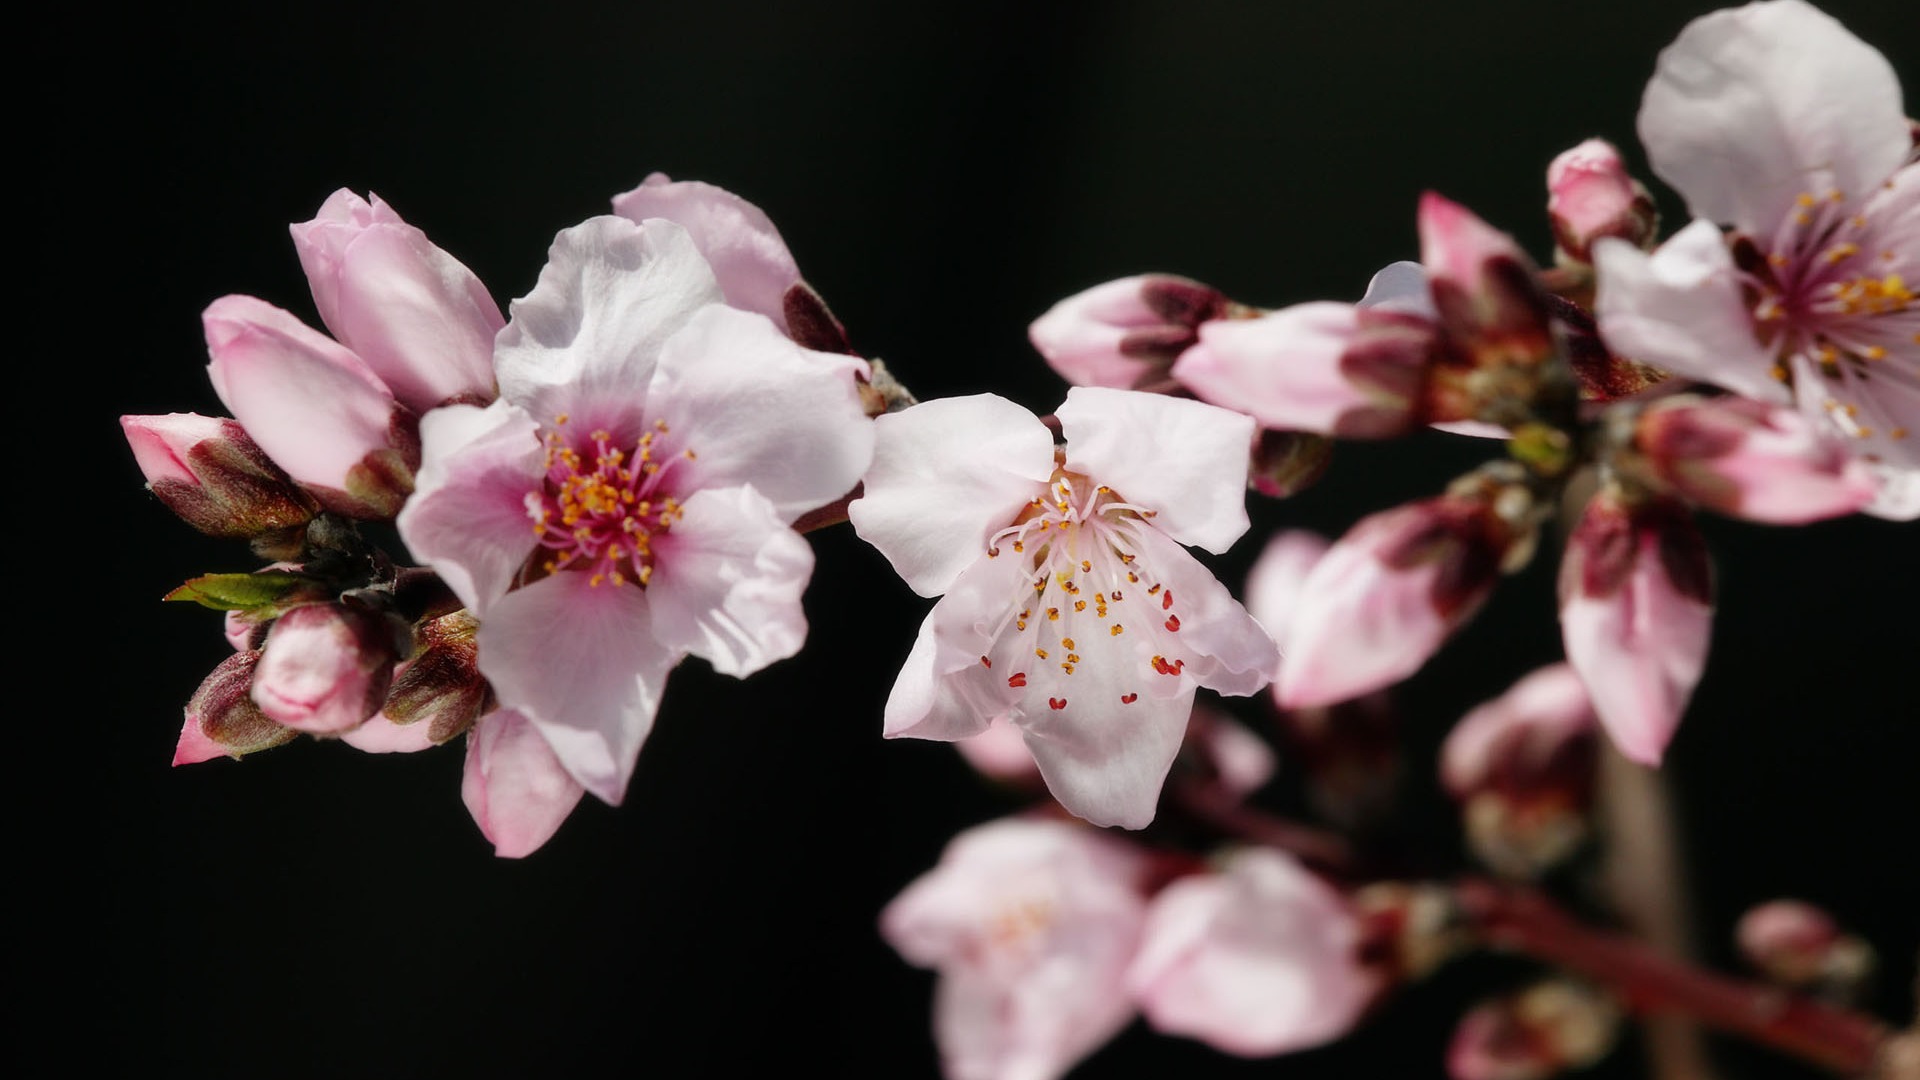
[(1752, 460), (1522, 767), (514, 786), (1387, 595), (1796, 944), (1550, 1027), (1496, 317), (1260, 959), (419, 318), (1324, 367), (1124, 334), (749, 259), (212, 475), (1001, 753), (222, 717), (1636, 616), (1590, 195), (314, 407), (325, 667)]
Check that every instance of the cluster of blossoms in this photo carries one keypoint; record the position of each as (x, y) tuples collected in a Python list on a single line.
[(617, 475)]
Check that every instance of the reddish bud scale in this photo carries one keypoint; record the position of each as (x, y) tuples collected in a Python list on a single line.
[(225, 711), (1467, 539), (1608, 536)]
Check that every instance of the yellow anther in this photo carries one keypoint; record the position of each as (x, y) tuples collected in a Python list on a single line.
[(1115, 630), (1068, 642)]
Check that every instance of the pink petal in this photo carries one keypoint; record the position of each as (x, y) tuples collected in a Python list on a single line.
[(468, 516), (380, 735), (1681, 309), (1590, 194), (1636, 619), (1225, 649), (1897, 496), (516, 789), (1000, 752), (1259, 960), (1754, 105), (750, 261), (583, 344), (947, 474), (1123, 333), (581, 664), (1184, 460), (315, 408), (758, 409), (1752, 460), (727, 582), (1274, 583), (1106, 763), (1544, 707), (194, 745), (419, 318), (926, 703)]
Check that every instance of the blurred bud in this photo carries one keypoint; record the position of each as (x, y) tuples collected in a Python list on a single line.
[(1590, 195), (1603, 376), (1522, 767), (1636, 615), (1752, 460), (1125, 333), (441, 687), (1408, 929), (222, 718), (1392, 590), (1262, 958), (1222, 748), (1550, 1027), (326, 668), (1798, 945), (1350, 756), (206, 470), (1498, 326), (1285, 463), (1000, 753)]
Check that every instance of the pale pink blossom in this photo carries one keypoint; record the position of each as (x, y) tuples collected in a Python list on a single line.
[(209, 472), (1636, 616), (1030, 924), (417, 316), (325, 668), (517, 790), (380, 735), (1260, 958), (1125, 333), (628, 500), (1590, 194), (1274, 582), (1751, 459), (1773, 120), (1069, 604), (1387, 595), (313, 406), (750, 261)]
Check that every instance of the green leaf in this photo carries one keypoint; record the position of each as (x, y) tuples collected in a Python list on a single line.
[(266, 592)]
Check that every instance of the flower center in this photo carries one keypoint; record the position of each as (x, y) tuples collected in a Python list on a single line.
[(602, 506), (1091, 600)]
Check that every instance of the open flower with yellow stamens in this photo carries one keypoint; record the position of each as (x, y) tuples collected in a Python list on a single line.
[(1069, 605), (628, 500), (1774, 120)]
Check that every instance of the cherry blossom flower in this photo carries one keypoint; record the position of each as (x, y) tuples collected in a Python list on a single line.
[(1031, 924), (1773, 120), (1261, 958), (627, 501), (1069, 604)]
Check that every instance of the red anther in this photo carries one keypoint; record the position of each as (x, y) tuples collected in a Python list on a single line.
[(1057, 703), (1128, 699), (1018, 678), (1173, 623), (1166, 600), (986, 663)]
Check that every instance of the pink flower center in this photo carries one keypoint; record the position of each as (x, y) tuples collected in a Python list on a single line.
[(602, 506), (1091, 599), (1833, 288)]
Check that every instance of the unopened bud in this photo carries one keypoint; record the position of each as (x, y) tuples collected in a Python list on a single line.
[(1408, 929), (1636, 615), (326, 668), (1590, 195), (441, 686), (222, 717), (1546, 1029), (209, 472), (1387, 595), (1752, 460), (1125, 333), (1498, 326), (1285, 463), (1522, 767), (1798, 945)]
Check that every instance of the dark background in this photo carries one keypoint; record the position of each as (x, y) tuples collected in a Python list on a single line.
[(943, 173)]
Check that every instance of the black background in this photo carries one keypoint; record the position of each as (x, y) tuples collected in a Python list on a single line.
[(943, 173)]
